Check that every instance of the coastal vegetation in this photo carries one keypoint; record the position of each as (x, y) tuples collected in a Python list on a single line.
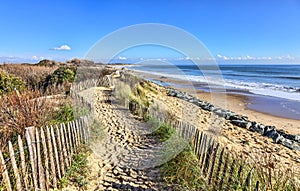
[(35, 95), (242, 171), (204, 164)]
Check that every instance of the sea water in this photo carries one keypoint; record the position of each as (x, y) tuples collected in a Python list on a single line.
[(280, 83)]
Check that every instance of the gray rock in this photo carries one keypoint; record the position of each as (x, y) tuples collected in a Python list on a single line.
[(245, 118), (255, 127), (242, 123), (288, 143), (268, 129), (297, 138), (273, 134)]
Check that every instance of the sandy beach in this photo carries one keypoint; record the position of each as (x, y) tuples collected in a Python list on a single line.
[(259, 149), (237, 102)]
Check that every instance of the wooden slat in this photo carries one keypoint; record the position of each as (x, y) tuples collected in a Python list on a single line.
[(5, 173), (23, 163), (195, 145), (203, 150), (75, 133), (87, 129), (14, 166), (31, 158), (40, 164), (46, 159), (84, 130), (199, 145), (81, 130), (257, 186), (239, 175), (31, 131), (63, 142), (60, 151), (78, 132), (231, 172), (68, 151), (51, 157), (207, 159), (73, 137), (216, 179), (70, 139), (248, 181), (225, 168), (213, 163), (55, 152)]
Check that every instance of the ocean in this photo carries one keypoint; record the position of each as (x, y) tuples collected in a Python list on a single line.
[(280, 83)]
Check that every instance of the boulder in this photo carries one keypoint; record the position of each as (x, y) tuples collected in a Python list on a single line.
[(297, 138), (289, 143), (268, 129), (256, 127), (242, 123)]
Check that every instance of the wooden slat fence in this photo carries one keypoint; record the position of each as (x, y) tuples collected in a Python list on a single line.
[(221, 169), (40, 159)]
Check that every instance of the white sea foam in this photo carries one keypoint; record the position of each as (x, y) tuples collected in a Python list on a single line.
[(255, 88)]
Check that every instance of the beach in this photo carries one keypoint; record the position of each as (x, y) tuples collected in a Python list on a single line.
[(256, 147), (236, 101)]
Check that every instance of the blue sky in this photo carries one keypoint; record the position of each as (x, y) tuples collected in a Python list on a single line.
[(256, 30)]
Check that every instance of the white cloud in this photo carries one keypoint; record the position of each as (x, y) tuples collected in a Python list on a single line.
[(122, 58), (62, 47), (37, 58)]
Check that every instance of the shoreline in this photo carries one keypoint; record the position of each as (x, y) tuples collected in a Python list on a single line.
[(237, 102)]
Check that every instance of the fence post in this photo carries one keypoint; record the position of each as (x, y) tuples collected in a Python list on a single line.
[(77, 131), (83, 124), (257, 186), (80, 122), (231, 172), (46, 158), (53, 173), (215, 182), (60, 151), (5, 173), (224, 171), (195, 143), (32, 159), (199, 143), (213, 163), (248, 182), (64, 150), (238, 181), (73, 136), (67, 144), (23, 164), (55, 151), (70, 139), (40, 165), (14, 166), (207, 159), (203, 149)]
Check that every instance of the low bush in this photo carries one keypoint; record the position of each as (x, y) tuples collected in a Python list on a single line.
[(9, 83)]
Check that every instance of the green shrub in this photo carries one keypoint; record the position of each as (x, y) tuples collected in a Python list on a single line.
[(62, 75), (78, 171), (64, 114), (184, 170), (9, 83), (163, 132)]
